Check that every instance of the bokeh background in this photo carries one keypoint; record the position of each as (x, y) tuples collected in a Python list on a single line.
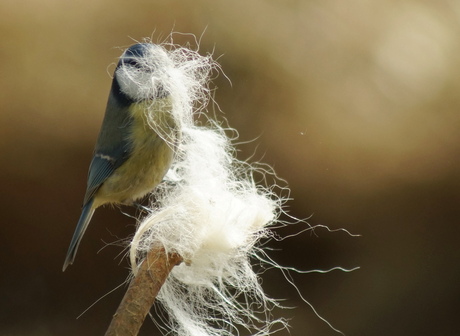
[(355, 103)]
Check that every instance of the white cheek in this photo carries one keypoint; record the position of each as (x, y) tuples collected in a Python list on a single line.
[(136, 84)]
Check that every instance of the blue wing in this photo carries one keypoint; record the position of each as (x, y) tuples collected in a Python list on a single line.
[(113, 146)]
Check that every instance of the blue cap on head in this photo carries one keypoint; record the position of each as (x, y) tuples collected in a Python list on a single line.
[(136, 50), (135, 72), (133, 54)]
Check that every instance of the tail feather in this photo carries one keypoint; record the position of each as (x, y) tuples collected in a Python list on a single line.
[(83, 223)]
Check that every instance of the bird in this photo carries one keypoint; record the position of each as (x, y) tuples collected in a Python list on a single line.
[(137, 140)]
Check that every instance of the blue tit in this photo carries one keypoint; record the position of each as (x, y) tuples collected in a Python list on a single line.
[(137, 140)]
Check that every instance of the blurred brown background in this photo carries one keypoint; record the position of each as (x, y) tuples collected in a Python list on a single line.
[(355, 103)]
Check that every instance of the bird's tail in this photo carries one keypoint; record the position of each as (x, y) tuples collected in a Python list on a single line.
[(83, 222)]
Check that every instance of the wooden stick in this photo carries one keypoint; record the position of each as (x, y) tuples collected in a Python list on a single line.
[(142, 292)]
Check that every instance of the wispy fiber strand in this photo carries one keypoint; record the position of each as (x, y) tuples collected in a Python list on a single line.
[(209, 210)]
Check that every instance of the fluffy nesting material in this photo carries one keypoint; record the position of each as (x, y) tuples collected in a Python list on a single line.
[(209, 210)]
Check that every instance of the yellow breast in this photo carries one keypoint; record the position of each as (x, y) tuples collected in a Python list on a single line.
[(154, 137)]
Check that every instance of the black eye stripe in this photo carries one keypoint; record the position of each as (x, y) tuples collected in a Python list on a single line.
[(133, 62)]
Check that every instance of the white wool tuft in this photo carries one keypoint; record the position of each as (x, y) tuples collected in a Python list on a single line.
[(209, 210)]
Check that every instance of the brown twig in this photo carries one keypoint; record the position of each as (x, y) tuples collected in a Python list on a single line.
[(142, 292)]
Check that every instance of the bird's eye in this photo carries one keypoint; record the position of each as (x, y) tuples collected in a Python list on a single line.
[(138, 65), (133, 62)]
